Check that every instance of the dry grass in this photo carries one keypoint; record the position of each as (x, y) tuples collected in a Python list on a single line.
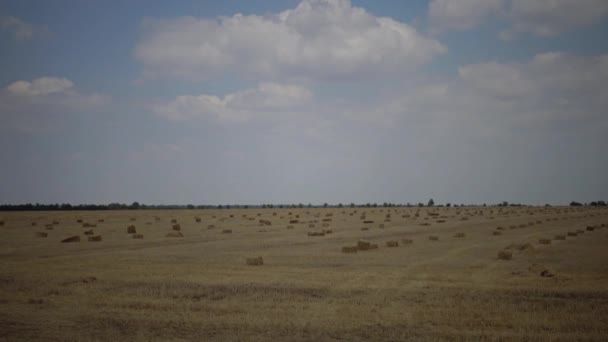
[(200, 286)]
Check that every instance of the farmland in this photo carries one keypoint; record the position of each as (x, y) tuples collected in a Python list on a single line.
[(337, 274)]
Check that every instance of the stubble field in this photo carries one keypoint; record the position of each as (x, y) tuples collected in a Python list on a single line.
[(475, 273)]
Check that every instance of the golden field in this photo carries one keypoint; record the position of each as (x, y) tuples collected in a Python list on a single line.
[(442, 279)]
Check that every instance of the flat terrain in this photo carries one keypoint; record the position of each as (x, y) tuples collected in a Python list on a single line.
[(199, 286)]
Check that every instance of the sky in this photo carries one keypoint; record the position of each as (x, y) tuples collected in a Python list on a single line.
[(311, 101)]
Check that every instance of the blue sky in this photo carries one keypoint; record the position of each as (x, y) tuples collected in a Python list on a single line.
[(464, 101)]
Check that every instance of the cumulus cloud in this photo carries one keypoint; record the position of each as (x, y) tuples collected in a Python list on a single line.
[(552, 74), (40, 86), (539, 17), (550, 17), (461, 14), (264, 100), (26, 104), (322, 39), (20, 29)]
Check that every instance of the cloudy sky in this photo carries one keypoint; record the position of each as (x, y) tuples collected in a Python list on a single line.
[(208, 102)]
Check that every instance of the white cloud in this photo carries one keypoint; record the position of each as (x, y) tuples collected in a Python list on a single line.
[(30, 105), (40, 86), (318, 39), (539, 17), (461, 14), (20, 29), (550, 17), (267, 99)]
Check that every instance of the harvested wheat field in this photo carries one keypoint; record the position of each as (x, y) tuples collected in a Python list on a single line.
[(263, 282)]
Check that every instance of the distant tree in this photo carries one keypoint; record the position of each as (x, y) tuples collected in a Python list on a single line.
[(420, 204), (601, 203), (448, 205), (430, 203), (325, 205), (575, 204), (190, 206), (375, 205), (134, 205), (339, 205), (352, 205)]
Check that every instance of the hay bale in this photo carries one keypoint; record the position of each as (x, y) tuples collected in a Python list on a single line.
[(459, 235), (34, 224), (407, 241), (325, 225), (373, 246), (368, 222), (176, 227), (131, 229), (265, 222), (49, 227), (79, 221), (227, 231), (41, 234), (392, 243), (173, 221), (572, 233), (88, 225), (95, 238), (434, 238), (425, 224), (365, 228), (138, 236), (197, 219), (590, 228), (544, 241), (1, 223), (363, 245), (174, 234), (500, 228), (505, 255), (560, 237), (289, 227), (255, 261), (75, 238), (496, 232), (88, 232), (321, 233), (349, 249), (440, 221), (546, 273), (211, 226), (55, 222), (101, 220), (294, 221), (311, 225)]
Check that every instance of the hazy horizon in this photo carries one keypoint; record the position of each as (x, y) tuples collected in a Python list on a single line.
[(312, 101)]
